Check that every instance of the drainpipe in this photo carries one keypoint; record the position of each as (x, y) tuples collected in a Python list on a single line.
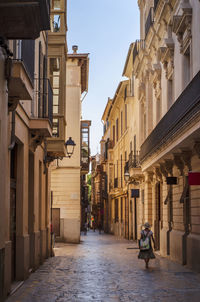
[(13, 141)]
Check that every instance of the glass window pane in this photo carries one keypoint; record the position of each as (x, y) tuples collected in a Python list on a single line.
[(55, 82), (55, 91), (55, 109), (55, 100)]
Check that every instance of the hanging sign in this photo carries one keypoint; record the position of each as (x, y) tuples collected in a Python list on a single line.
[(194, 178), (135, 193), (171, 180)]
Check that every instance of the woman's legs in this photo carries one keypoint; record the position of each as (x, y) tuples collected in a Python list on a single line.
[(146, 262)]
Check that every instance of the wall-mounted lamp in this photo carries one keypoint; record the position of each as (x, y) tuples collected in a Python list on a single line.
[(126, 176), (48, 158), (70, 144)]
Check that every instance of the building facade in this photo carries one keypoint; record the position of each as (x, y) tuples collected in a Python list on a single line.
[(66, 175), (25, 124), (164, 68)]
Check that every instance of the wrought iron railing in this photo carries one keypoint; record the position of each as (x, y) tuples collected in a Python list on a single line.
[(28, 57), (50, 101), (156, 4), (149, 21), (182, 111), (139, 44), (134, 160)]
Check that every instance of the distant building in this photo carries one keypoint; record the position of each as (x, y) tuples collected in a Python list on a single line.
[(66, 177)]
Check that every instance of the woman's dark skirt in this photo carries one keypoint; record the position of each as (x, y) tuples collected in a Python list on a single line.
[(146, 254)]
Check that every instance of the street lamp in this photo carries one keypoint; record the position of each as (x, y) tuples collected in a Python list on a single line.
[(126, 176), (70, 144)]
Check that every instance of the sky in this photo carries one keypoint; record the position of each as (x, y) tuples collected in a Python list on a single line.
[(104, 29)]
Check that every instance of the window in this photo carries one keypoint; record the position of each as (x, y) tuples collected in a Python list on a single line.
[(132, 85), (121, 172), (55, 23), (54, 67), (113, 135), (125, 116), (186, 68), (125, 93), (121, 209), (158, 110), (116, 211), (117, 129), (169, 93), (55, 131), (121, 122), (144, 126)]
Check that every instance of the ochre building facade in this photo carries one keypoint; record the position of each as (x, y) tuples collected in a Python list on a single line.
[(163, 70)]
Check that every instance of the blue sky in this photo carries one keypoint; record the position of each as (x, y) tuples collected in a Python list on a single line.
[(105, 29)]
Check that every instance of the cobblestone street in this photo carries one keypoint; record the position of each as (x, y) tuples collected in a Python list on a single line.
[(103, 268)]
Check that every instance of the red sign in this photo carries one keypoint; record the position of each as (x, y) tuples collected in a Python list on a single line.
[(194, 178)]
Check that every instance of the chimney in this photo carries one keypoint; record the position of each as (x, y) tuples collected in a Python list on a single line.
[(74, 48)]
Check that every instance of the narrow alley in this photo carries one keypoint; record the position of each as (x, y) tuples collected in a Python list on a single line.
[(104, 268)]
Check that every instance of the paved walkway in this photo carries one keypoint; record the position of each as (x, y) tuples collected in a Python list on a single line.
[(103, 268)]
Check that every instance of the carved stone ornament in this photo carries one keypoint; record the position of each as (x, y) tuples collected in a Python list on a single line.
[(163, 170), (169, 166), (157, 80), (141, 90), (158, 173), (197, 148), (167, 57), (182, 26), (186, 155), (178, 162), (35, 140)]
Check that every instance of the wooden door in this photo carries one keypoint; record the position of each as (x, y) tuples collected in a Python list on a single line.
[(56, 221), (126, 218)]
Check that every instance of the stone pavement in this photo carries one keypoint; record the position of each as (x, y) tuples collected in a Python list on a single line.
[(106, 269)]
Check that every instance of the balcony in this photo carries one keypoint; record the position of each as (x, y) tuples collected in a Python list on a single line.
[(20, 86), (181, 112), (41, 126), (149, 21), (134, 160), (85, 143), (139, 44), (24, 19)]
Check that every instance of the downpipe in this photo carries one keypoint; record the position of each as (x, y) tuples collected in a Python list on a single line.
[(13, 140)]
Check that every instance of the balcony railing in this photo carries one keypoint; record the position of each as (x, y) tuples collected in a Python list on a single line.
[(134, 160), (185, 107), (28, 56), (156, 4), (139, 44), (149, 21)]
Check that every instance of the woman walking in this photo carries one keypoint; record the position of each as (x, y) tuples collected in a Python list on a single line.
[(145, 245)]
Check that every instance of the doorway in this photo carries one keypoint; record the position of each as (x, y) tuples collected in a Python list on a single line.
[(158, 215), (31, 210), (13, 218), (126, 218), (56, 221)]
